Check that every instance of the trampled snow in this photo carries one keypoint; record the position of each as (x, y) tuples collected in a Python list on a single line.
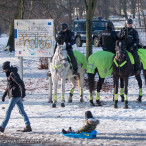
[(117, 126)]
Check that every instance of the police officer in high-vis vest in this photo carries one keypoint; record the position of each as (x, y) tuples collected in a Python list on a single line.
[(131, 37), (108, 38)]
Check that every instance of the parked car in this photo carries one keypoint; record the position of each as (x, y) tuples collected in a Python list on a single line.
[(98, 25)]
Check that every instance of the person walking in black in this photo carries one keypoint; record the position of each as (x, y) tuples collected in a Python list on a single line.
[(16, 91), (108, 38), (130, 35), (67, 36)]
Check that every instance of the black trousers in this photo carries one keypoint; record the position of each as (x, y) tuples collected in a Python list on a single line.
[(136, 59), (73, 59)]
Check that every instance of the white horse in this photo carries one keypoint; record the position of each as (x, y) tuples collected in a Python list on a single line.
[(60, 69)]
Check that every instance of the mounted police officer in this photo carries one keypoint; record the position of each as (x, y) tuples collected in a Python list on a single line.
[(108, 38), (67, 36), (131, 38)]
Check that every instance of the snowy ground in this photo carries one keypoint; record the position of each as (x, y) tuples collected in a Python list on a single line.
[(117, 126)]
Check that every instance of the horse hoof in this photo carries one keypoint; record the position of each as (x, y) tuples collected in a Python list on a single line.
[(125, 107), (138, 100), (53, 105), (91, 103), (98, 103), (70, 100), (115, 106), (81, 100), (62, 105)]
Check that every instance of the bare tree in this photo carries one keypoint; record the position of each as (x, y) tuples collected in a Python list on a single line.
[(18, 15), (90, 9), (124, 7)]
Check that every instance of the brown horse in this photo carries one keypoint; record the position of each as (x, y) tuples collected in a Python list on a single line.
[(123, 68)]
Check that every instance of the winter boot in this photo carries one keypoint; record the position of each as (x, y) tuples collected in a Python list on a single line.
[(1, 129), (64, 131), (27, 129), (98, 103)]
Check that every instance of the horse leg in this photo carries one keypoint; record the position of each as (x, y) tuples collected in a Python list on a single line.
[(73, 81), (99, 86), (138, 78), (122, 89), (55, 84), (91, 87), (62, 91), (126, 93), (116, 83), (81, 85)]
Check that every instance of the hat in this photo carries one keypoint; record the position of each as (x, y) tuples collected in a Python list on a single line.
[(6, 65), (129, 21), (64, 26), (88, 115)]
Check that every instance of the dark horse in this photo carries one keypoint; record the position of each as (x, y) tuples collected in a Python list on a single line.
[(123, 68), (101, 63)]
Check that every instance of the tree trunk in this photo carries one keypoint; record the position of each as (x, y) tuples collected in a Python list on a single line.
[(144, 17), (133, 7), (124, 7), (18, 15), (139, 19), (106, 9), (70, 14), (30, 13), (90, 9)]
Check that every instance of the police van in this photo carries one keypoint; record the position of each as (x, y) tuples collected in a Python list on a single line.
[(98, 25)]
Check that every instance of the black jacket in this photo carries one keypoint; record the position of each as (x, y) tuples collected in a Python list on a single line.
[(15, 86), (107, 40), (130, 36), (67, 37)]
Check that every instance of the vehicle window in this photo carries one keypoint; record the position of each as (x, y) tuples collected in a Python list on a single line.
[(83, 26), (77, 26), (96, 25)]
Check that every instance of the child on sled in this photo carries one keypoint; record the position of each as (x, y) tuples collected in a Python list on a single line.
[(89, 124)]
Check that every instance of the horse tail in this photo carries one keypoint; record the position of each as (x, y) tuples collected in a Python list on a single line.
[(79, 83), (144, 74), (91, 82)]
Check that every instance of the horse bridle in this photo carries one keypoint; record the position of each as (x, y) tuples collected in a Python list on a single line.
[(63, 58)]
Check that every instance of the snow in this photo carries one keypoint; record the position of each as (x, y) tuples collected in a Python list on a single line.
[(126, 127)]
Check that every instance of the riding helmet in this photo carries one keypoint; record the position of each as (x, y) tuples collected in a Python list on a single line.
[(64, 26), (109, 25), (129, 21)]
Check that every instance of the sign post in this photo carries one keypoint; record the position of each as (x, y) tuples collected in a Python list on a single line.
[(34, 38)]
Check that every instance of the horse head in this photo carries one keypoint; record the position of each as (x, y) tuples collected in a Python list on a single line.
[(61, 53), (120, 51)]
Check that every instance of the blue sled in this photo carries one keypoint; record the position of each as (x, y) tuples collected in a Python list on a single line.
[(90, 135)]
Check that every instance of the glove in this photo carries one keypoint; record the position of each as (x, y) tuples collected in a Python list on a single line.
[(68, 45), (4, 95), (130, 49), (23, 94), (133, 47)]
